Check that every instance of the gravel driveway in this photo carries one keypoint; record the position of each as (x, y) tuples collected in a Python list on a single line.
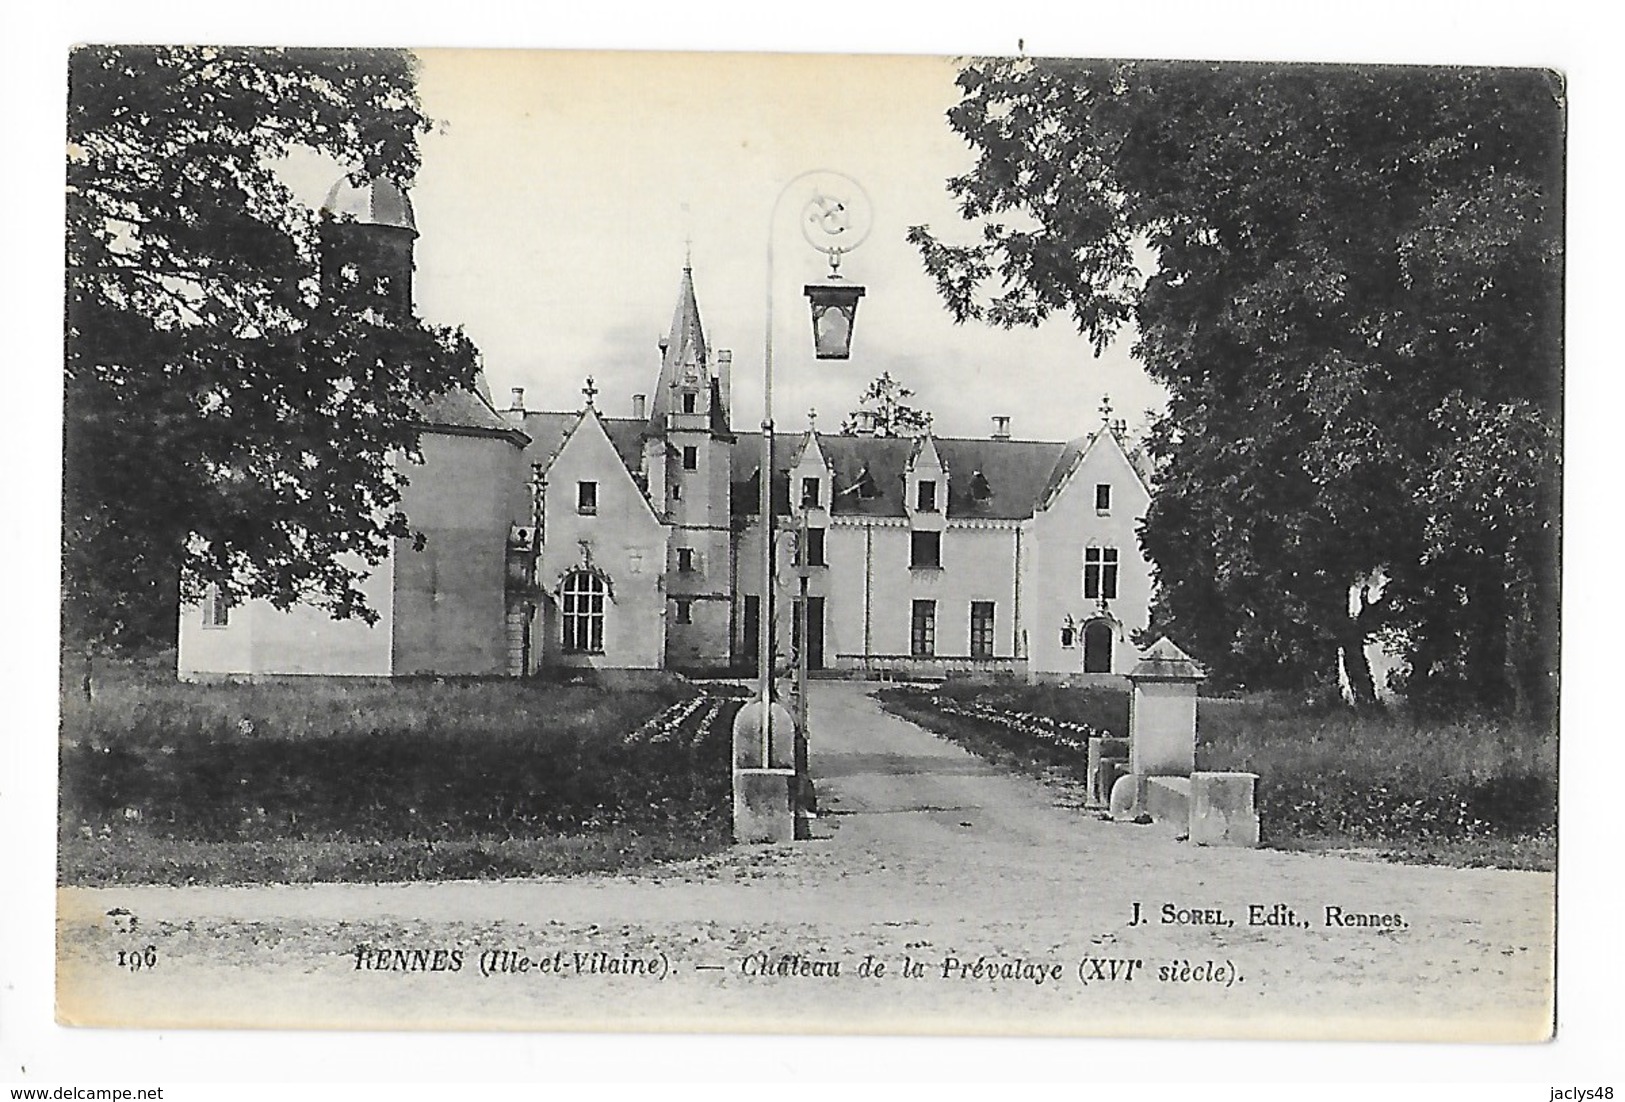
[(939, 894)]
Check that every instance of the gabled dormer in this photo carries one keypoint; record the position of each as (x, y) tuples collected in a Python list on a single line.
[(925, 489), (812, 478)]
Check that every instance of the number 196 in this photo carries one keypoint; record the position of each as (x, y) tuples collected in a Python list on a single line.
[(137, 959)]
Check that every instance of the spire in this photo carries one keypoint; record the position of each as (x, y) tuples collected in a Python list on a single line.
[(685, 360)]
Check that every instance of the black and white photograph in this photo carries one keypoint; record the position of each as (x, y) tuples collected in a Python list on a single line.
[(677, 541)]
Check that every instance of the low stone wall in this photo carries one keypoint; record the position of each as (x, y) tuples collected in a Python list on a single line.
[(1215, 809), (904, 667)]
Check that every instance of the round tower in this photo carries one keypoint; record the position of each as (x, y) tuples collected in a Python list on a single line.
[(367, 234)]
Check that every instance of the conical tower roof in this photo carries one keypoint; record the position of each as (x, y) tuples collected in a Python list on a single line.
[(684, 353)]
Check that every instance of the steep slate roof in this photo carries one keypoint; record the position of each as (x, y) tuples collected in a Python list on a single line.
[(547, 431), (1017, 471), (467, 412)]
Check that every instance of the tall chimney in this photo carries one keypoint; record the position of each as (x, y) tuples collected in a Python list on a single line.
[(518, 404), (1001, 428), (640, 406), (725, 370), (864, 422)]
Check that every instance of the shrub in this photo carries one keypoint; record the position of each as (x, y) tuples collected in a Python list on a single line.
[(421, 762), (1384, 778)]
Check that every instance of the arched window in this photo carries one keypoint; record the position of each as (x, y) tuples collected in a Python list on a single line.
[(1097, 646), (582, 595)]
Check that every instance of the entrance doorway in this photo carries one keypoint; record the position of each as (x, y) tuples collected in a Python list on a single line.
[(1097, 646)]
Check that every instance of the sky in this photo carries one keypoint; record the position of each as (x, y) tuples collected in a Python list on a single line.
[(561, 191)]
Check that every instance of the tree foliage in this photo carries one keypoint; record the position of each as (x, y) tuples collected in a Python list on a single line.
[(1354, 303), (231, 417), (883, 408)]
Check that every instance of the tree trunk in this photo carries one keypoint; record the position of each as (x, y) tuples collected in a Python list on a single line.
[(1488, 612), (1351, 641)]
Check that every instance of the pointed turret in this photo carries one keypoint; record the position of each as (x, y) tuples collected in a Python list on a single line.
[(685, 368)]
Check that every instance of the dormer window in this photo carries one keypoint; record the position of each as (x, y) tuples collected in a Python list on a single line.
[(1103, 498), (587, 498), (864, 486), (926, 501), (690, 401), (810, 493)]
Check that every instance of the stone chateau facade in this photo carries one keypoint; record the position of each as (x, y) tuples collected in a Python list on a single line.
[(578, 538)]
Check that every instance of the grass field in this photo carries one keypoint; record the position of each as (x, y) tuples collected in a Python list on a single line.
[(1474, 791), (325, 779)]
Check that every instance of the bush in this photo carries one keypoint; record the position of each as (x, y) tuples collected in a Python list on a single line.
[(1326, 774), (420, 762)]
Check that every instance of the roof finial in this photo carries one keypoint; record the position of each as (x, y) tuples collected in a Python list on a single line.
[(812, 419), (590, 391), (688, 239), (1106, 408)]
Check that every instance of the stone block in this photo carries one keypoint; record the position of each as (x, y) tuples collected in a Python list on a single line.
[(1223, 812), (747, 736), (1102, 751), (764, 805), (1125, 797), (1167, 800)]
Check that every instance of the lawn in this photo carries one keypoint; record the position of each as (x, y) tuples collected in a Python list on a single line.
[(329, 779), (1471, 791)]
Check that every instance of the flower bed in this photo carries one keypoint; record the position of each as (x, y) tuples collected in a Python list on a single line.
[(329, 774)]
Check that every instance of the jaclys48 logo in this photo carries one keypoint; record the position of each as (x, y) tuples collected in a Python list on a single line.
[(1582, 1094)]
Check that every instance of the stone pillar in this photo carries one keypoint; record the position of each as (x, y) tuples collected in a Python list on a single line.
[(1162, 712), (764, 798)]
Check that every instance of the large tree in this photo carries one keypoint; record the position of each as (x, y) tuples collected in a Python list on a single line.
[(1354, 302), (884, 409), (233, 415)]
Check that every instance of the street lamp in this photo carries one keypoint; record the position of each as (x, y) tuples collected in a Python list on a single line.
[(836, 218), (834, 313)]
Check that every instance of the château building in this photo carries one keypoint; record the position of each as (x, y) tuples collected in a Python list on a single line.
[(632, 540)]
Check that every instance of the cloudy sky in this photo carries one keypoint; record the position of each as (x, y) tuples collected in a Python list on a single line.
[(561, 189)]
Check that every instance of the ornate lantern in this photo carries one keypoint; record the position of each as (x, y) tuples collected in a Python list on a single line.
[(834, 313)]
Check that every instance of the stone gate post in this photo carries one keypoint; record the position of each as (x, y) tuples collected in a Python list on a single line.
[(1162, 712)]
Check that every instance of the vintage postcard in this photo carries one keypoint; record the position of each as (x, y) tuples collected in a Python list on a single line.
[(1155, 632)]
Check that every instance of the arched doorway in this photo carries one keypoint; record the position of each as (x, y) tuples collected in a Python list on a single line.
[(1097, 646)]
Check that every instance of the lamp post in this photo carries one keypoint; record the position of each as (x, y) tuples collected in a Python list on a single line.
[(835, 219)]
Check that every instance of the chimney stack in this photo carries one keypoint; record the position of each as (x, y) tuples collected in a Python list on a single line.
[(515, 413), (725, 370), (640, 406), (864, 422), (1001, 428)]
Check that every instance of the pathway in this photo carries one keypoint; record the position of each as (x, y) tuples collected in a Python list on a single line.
[(927, 861)]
